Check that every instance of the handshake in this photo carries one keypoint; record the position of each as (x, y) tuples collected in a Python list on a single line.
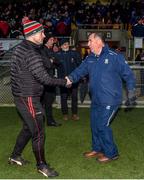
[(68, 83)]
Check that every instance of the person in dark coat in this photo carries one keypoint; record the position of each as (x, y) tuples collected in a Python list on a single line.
[(69, 60), (28, 76), (138, 28), (50, 62)]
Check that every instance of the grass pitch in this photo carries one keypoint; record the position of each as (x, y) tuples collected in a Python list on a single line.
[(66, 144)]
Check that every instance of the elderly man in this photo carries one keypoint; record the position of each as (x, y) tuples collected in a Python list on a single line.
[(28, 76), (106, 69)]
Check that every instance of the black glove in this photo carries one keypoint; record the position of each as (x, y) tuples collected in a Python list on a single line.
[(131, 100)]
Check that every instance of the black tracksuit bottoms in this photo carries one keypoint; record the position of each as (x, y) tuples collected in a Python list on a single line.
[(73, 92), (48, 99), (31, 112)]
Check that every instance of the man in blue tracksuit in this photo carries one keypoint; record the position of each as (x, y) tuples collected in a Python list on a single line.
[(106, 70)]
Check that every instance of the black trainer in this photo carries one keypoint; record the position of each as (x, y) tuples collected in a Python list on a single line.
[(18, 161), (47, 171)]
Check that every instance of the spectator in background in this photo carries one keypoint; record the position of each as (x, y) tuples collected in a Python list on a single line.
[(140, 60), (50, 63), (4, 28), (55, 47), (48, 26), (61, 13), (61, 28), (138, 28), (16, 34), (69, 60)]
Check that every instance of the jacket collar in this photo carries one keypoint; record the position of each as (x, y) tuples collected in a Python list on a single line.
[(29, 43)]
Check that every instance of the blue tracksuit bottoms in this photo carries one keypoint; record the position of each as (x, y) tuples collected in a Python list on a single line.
[(102, 137)]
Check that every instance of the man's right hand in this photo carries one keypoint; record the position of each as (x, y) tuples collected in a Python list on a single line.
[(69, 83)]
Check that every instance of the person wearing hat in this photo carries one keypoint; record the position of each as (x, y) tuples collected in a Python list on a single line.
[(69, 60), (50, 62), (106, 69), (28, 75)]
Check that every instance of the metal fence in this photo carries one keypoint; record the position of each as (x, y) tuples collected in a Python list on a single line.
[(5, 90), (6, 97)]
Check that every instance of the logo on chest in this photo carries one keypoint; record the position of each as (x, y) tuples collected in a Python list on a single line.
[(106, 61)]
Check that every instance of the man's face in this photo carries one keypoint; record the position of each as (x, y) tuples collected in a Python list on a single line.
[(95, 44), (65, 46), (38, 37), (50, 42)]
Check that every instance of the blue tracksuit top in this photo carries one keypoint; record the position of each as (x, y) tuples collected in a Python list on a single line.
[(106, 73), (68, 61)]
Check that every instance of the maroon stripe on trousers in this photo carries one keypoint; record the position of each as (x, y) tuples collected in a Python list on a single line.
[(32, 110)]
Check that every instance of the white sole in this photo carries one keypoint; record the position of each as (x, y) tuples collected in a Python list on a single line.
[(42, 173), (11, 161)]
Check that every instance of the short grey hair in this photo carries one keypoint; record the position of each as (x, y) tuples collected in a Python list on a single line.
[(100, 35)]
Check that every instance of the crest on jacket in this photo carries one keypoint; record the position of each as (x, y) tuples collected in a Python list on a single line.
[(106, 61)]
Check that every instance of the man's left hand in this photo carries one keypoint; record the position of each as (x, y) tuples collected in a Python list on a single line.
[(131, 100)]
